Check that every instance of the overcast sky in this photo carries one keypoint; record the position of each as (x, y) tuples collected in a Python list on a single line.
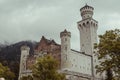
[(30, 19)]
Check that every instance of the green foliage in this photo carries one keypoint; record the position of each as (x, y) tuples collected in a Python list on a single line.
[(10, 55), (27, 78), (109, 52), (46, 69), (6, 73)]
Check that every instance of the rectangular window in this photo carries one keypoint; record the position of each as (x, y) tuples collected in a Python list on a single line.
[(66, 48), (65, 39)]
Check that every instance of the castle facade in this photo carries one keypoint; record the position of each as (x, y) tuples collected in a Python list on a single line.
[(77, 65)]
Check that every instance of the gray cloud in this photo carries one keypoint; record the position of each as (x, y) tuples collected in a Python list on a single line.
[(30, 19)]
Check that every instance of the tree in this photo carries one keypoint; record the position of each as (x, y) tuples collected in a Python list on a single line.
[(46, 69), (6, 73), (109, 52)]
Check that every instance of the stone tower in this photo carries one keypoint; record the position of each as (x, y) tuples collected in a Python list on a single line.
[(88, 30), (24, 54), (88, 34), (65, 49)]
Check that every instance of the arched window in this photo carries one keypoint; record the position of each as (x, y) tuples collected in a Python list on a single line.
[(87, 22), (91, 23), (65, 39), (83, 24), (65, 47), (94, 24), (80, 25)]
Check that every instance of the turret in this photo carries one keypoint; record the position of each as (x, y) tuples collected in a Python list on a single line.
[(24, 54), (86, 12), (65, 48), (65, 40)]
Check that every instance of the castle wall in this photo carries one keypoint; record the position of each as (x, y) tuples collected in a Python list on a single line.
[(80, 62)]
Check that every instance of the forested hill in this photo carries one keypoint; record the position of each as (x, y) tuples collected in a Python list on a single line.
[(10, 54)]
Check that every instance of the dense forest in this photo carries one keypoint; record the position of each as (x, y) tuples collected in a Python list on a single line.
[(10, 54)]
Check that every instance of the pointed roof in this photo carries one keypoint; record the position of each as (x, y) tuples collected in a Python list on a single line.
[(65, 31)]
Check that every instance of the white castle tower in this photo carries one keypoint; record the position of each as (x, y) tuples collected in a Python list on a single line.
[(65, 49), (88, 34), (24, 54), (88, 30)]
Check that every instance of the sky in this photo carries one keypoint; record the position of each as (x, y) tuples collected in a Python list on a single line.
[(30, 19)]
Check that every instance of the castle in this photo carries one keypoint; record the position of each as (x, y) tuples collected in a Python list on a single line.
[(76, 65)]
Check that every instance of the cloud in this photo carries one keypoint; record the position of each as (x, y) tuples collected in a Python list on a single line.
[(30, 19)]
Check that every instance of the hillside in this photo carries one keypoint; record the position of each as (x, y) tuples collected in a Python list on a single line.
[(10, 54)]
